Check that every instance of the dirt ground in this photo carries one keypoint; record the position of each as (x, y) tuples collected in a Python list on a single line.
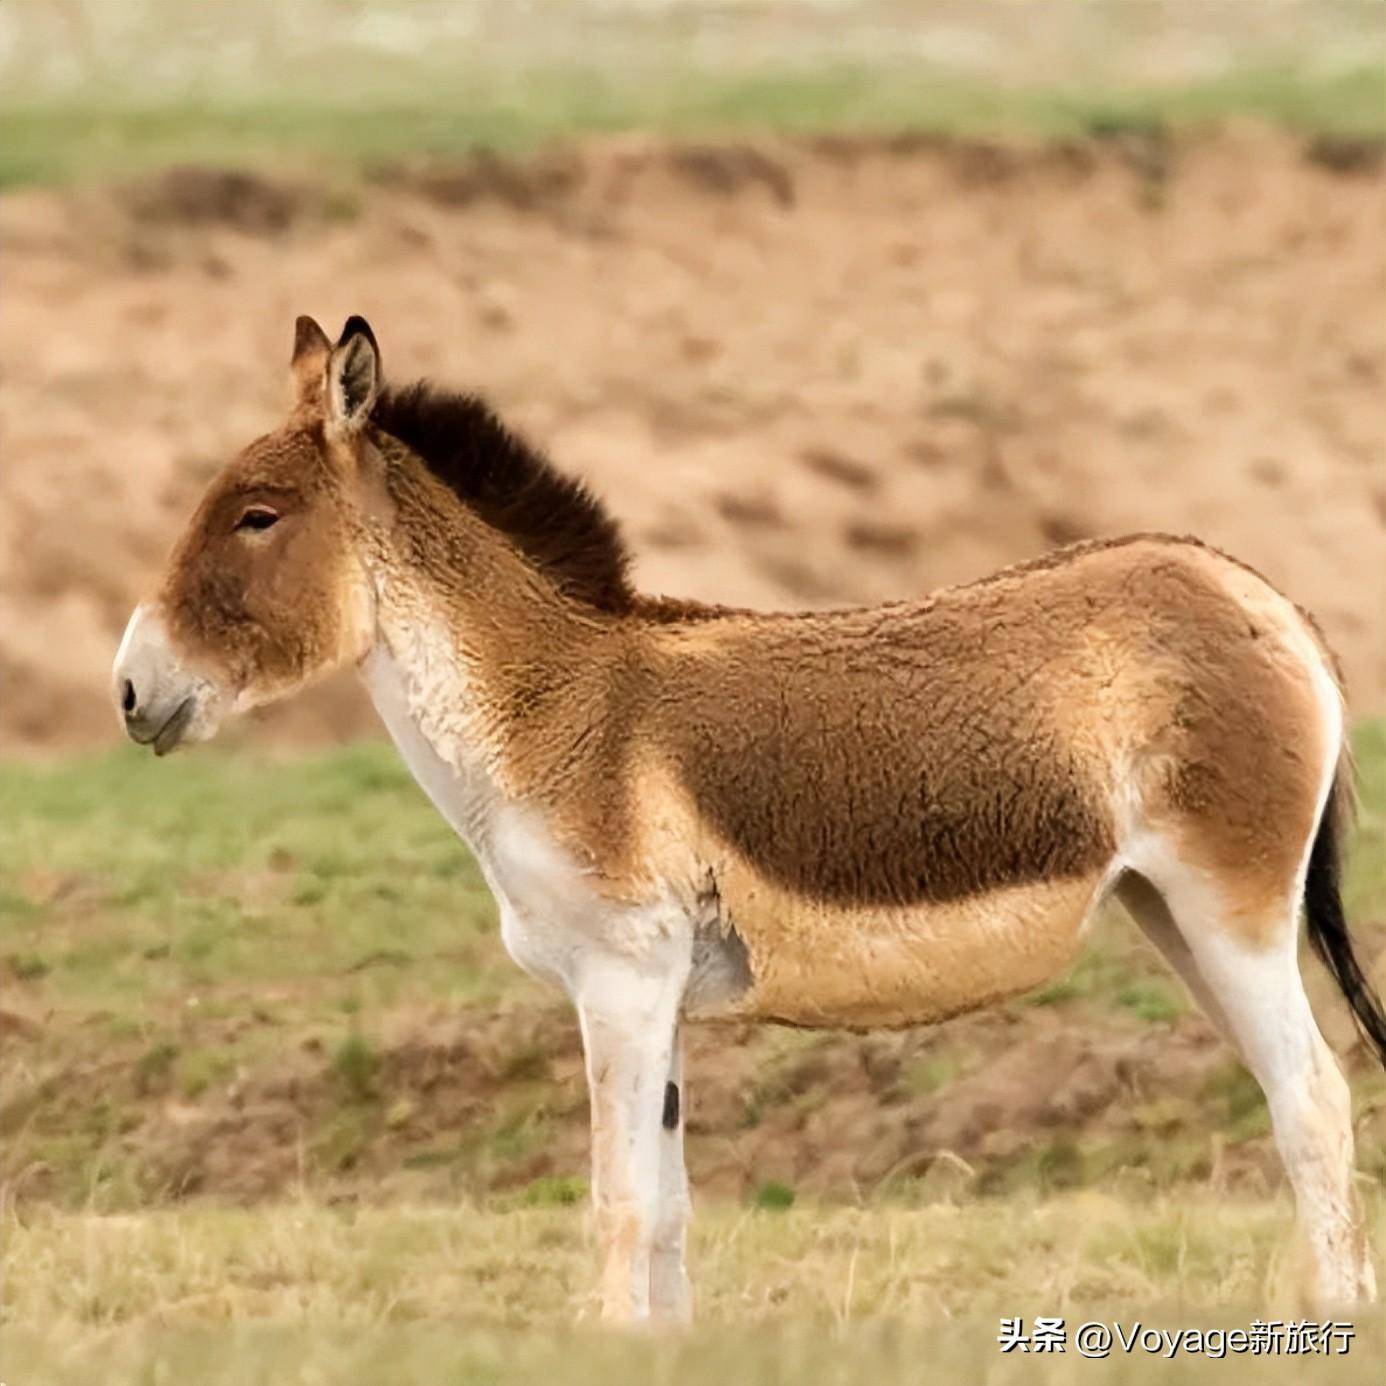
[(458, 1102), (802, 372)]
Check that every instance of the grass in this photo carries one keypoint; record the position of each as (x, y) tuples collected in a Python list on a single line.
[(446, 114), (306, 1293), (1364, 892), (305, 934), (182, 934), (134, 888)]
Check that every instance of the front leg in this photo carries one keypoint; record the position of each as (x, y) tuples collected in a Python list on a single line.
[(628, 1011), (671, 1298)]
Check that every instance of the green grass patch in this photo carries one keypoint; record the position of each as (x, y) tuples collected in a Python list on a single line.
[(774, 1196), (356, 1064), (1152, 1000), (932, 1072), (1364, 889), (438, 115), (554, 1191), (145, 885)]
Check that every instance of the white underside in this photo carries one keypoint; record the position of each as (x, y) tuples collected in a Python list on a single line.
[(554, 923)]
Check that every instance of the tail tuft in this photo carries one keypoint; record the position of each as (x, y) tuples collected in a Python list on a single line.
[(1328, 931)]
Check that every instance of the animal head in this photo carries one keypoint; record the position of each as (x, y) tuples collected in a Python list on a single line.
[(264, 592)]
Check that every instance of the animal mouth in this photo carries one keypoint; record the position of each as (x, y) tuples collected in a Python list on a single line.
[(171, 733)]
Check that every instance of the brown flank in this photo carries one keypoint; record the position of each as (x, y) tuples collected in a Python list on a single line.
[(906, 754)]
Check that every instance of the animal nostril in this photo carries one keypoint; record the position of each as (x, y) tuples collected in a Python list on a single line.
[(127, 697)]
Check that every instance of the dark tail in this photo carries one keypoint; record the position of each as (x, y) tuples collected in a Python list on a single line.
[(1323, 909)]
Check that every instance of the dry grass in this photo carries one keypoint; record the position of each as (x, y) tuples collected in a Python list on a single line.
[(306, 1293)]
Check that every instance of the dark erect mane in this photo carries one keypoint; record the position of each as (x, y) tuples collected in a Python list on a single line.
[(551, 518)]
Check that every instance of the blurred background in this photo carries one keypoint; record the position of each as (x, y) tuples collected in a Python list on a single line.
[(832, 301)]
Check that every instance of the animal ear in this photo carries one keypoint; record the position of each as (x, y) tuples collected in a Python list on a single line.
[(311, 350), (353, 376)]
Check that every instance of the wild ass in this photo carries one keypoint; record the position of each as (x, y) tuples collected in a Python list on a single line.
[(858, 818)]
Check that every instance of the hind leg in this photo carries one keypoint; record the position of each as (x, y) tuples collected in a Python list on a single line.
[(1257, 989)]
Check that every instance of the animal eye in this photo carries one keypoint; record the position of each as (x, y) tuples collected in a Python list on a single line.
[(257, 517)]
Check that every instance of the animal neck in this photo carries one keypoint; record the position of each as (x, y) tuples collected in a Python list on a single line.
[(484, 672)]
